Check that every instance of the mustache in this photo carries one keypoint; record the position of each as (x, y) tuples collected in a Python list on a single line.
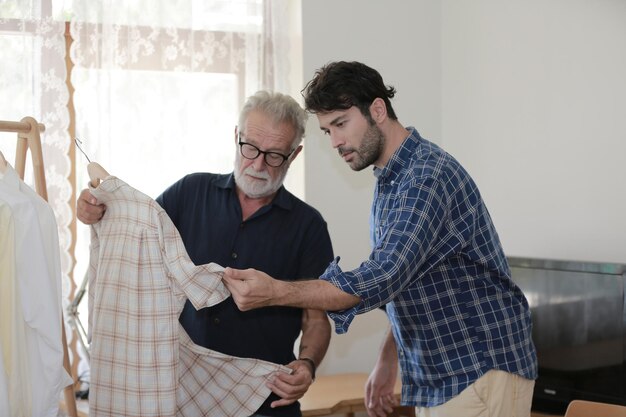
[(342, 150), (258, 174)]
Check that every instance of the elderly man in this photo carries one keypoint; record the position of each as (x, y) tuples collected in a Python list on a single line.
[(247, 219)]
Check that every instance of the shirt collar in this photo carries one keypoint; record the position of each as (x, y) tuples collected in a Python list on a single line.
[(106, 188), (400, 157), (282, 198), (10, 178)]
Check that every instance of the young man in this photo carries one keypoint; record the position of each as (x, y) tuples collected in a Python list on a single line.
[(249, 220), (460, 327)]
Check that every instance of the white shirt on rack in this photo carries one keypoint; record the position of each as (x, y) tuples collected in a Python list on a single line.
[(12, 373), (38, 277), (4, 390)]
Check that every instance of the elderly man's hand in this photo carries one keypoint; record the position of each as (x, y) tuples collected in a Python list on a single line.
[(291, 388), (88, 209), (250, 288)]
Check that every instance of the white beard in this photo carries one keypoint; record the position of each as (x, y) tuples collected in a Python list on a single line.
[(257, 188)]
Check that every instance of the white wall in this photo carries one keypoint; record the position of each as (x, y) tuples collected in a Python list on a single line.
[(530, 95), (534, 105)]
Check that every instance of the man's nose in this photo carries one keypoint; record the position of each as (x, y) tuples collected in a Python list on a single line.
[(336, 140), (259, 163)]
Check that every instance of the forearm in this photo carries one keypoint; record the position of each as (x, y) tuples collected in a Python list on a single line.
[(314, 294), (254, 289), (313, 345), (315, 335), (379, 389), (389, 352)]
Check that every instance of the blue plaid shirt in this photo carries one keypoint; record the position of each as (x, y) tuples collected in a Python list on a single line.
[(438, 267)]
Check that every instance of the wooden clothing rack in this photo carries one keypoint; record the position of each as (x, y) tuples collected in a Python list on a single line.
[(28, 136)]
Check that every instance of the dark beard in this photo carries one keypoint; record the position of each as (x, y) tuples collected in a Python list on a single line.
[(370, 150)]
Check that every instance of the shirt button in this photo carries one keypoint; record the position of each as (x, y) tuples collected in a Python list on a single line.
[(216, 321), (233, 255)]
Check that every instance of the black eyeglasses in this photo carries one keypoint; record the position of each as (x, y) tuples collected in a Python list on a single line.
[(273, 159)]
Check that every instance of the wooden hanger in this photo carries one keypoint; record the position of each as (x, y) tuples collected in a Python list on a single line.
[(94, 169), (96, 173)]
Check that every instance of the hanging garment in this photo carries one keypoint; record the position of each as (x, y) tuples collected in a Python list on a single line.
[(142, 361), (9, 303), (5, 409), (36, 375)]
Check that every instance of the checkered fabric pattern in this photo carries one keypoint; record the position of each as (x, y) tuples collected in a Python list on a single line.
[(142, 361)]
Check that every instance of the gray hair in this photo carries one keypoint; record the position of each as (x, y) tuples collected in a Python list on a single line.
[(281, 107)]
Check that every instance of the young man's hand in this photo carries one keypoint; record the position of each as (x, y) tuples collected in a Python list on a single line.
[(250, 288)]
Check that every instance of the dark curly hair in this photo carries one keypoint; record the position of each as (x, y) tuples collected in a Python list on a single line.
[(341, 85)]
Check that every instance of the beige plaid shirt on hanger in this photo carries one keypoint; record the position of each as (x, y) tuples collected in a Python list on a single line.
[(142, 361)]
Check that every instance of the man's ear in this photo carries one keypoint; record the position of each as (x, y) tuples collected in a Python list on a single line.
[(236, 135), (378, 110)]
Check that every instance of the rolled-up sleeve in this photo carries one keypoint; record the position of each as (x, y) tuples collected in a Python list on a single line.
[(335, 276), (408, 222)]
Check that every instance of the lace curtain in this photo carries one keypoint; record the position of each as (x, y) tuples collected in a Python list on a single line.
[(32, 83), (159, 84)]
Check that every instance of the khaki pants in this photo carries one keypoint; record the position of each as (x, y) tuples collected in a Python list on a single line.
[(495, 394)]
